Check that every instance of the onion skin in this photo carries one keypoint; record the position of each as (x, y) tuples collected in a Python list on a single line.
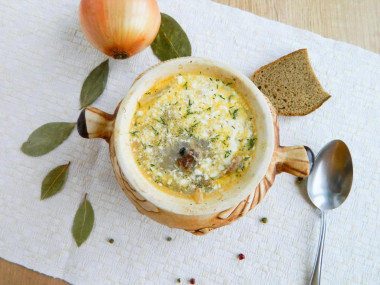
[(120, 28)]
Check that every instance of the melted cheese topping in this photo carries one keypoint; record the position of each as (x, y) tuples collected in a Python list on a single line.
[(193, 135)]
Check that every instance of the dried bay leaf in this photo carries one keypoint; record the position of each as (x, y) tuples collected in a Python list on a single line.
[(94, 84), (54, 181), (171, 40), (46, 138), (83, 222)]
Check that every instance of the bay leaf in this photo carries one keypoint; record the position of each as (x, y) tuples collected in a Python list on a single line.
[(171, 40), (94, 84), (46, 138), (54, 181), (83, 222)]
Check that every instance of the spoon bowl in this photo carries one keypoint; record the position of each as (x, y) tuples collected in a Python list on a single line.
[(330, 182), (328, 187)]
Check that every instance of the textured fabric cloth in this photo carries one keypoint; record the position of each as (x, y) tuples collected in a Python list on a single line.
[(44, 61)]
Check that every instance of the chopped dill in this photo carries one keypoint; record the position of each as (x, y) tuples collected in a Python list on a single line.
[(188, 112), (234, 114), (163, 121), (189, 133), (214, 138), (251, 143), (227, 153), (155, 131), (194, 126)]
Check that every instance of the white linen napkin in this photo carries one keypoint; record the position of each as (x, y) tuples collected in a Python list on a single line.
[(44, 59)]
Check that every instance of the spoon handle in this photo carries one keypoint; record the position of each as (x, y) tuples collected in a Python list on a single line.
[(316, 279)]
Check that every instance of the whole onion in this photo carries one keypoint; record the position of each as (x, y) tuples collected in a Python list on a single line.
[(120, 28)]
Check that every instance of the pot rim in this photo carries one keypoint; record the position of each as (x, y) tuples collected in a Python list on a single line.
[(178, 205)]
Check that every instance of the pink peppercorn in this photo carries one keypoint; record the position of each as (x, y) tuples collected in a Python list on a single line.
[(241, 256)]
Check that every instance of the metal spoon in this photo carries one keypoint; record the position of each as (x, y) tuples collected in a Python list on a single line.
[(328, 187)]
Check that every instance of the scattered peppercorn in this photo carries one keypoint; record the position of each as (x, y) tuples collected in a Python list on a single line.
[(241, 256), (264, 220), (299, 180), (178, 280), (111, 240), (192, 281), (169, 238)]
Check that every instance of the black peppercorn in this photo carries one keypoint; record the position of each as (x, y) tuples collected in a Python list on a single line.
[(182, 151)]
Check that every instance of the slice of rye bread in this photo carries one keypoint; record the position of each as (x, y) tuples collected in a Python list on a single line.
[(291, 85)]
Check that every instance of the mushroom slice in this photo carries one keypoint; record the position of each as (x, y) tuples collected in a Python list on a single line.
[(235, 164)]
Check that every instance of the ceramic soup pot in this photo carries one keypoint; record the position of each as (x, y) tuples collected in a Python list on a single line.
[(182, 213)]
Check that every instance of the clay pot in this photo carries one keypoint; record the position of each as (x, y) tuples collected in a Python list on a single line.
[(175, 212)]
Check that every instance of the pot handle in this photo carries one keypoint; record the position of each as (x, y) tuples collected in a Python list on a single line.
[(94, 123), (296, 160)]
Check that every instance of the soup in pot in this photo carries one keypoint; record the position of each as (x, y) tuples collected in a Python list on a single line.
[(193, 135)]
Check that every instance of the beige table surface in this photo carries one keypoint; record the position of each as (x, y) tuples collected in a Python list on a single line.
[(352, 21)]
